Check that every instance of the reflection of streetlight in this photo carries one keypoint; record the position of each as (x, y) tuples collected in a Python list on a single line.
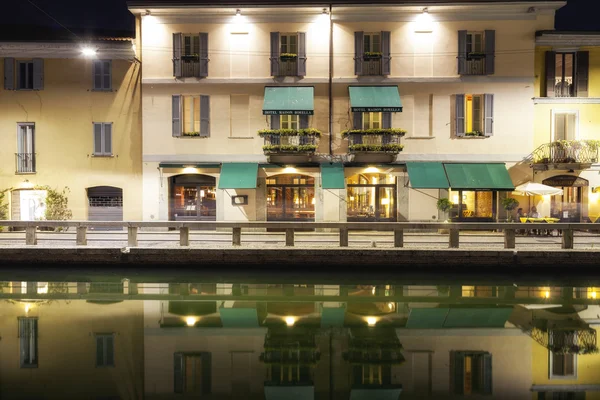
[(190, 321), (290, 321), (371, 321), (547, 294)]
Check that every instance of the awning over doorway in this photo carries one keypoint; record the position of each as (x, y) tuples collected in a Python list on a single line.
[(333, 317), (239, 317), (375, 99), (289, 100), (438, 318), (427, 175), (238, 176), (478, 176), (332, 176)]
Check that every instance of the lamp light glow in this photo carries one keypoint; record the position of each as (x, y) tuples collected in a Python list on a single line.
[(88, 52), (190, 321), (371, 321), (424, 22), (290, 321)]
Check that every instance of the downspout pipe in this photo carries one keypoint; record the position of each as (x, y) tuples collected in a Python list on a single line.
[(330, 80)]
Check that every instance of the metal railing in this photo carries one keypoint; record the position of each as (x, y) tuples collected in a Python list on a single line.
[(475, 66), (288, 67), (290, 144), (25, 163), (190, 68), (371, 142), (564, 88), (371, 67), (566, 152)]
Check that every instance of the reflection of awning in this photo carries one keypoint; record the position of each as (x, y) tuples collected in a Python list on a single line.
[(286, 100), (427, 175), (376, 394), (196, 308), (333, 317), (478, 176), (332, 176), (289, 392), (187, 165), (432, 318), (239, 317), (375, 99), (238, 176)]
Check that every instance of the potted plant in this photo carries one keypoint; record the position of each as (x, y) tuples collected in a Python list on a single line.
[(509, 204), (288, 56), (372, 55), (475, 55), (474, 133), (190, 57), (444, 205)]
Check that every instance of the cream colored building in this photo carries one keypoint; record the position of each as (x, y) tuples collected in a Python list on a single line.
[(71, 120), (457, 79)]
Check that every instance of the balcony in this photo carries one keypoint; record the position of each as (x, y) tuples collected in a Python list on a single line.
[(475, 64), (564, 88), (290, 144), (288, 66), (371, 65), (374, 145), (190, 66), (25, 163), (565, 155)]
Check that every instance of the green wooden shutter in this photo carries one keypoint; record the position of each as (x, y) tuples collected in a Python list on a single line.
[(275, 122), (583, 61), (178, 373), (301, 58), (303, 121), (460, 115), (97, 138), (462, 52), (177, 40), (487, 373), (550, 73), (357, 120), (206, 373), (275, 50), (9, 73), (488, 114), (205, 116), (203, 55), (386, 120), (38, 73), (490, 52), (458, 358), (176, 115), (359, 38), (386, 53), (107, 138)]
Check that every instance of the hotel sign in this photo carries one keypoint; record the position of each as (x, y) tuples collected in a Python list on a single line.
[(566, 181), (288, 112), (376, 109)]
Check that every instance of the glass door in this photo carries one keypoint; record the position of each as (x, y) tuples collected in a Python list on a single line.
[(291, 203), (386, 201), (567, 207)]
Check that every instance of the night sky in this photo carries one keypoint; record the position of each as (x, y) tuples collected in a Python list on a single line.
[(581, 15)]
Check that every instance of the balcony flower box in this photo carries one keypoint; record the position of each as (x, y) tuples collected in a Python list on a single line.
[(290, 145), (474, 134), (288, 56), (191, 134), (374, 145), (372, 55), (190, 57), (289, 132), (376, 148), (289, 148), (475, 56), (373, 132)]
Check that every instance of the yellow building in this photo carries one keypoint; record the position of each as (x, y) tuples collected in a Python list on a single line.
[(71, 118)]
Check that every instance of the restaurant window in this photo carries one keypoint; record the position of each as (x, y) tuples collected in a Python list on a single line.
[(291, 198), (472, 204), (372, 120), (472, 372), (28, 342), (192, 198), (371, 197)]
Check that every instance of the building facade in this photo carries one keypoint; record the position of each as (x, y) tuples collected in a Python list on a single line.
[(71, 120), (341, 113)]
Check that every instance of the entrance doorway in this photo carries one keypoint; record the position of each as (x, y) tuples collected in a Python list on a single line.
[(291, 198), (192, 197), (371, 198), (567, 206)]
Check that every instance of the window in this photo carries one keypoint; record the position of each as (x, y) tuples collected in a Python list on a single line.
[(371, 120), (25, 148), (29, 74), (289, 43), (564, 125), (563, 366), (105, 350), (474, 115), (371, 374), (472, 372), (288, 54), (289, 121), (475, 43), (476, 52), (372, 42), (191, 116), (565, 73), (28, 342), (103, 138), (190, 55), (25, 75), (102, 75), (193, 373), (191, 46)]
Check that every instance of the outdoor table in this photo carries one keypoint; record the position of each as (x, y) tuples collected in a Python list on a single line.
[(593, 218), (546, 219)]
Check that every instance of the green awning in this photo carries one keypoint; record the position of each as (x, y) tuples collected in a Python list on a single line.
[(332, 176), (427, 175), (196, 308), (426, 318), (375, 99), (289, 392), (375, 394), (187, 165), (239, 317), (333, 317), (478, 176), (439, 318), (238, 176), (286, 100)]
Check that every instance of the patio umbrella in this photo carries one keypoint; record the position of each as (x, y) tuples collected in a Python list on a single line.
[(533, 189)]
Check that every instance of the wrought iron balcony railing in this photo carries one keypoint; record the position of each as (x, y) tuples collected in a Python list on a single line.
[(474, 65), (371, 66), (25, 163), (288, 67), (374, 140), (566, 152), (290, 141), (564, 88)]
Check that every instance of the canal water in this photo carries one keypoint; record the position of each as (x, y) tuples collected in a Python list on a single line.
[(89, 336)]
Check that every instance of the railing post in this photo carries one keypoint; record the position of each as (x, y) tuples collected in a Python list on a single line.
[(509, 238), (454, 238), (132, 240), (567, 239), (343, 237), (398, 237), (82, 235), (30, 235), (184, 236), (236, 236), (289, 237)]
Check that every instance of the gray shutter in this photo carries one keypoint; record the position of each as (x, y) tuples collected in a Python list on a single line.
[(108, 139), (99, 351), (462, 52), (460, 115), (109, 348), (205, 116), (386, 120), (550, 73), (459, 371), (303, 121), (583, 62), (38, 73), (177, 39), (176, 115), (301, 59), (9, 73), (97, 138), (488, 114), (203, 54), (178, 369), (386, 53), (275, 121), (206, 373), (541, 396), (490, 52), (107, 74), (97, 74), (487, 373), (275, 53), (357, 120), (359, 38)]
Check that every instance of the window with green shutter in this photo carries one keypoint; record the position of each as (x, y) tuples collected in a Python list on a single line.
[(105, 349)]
